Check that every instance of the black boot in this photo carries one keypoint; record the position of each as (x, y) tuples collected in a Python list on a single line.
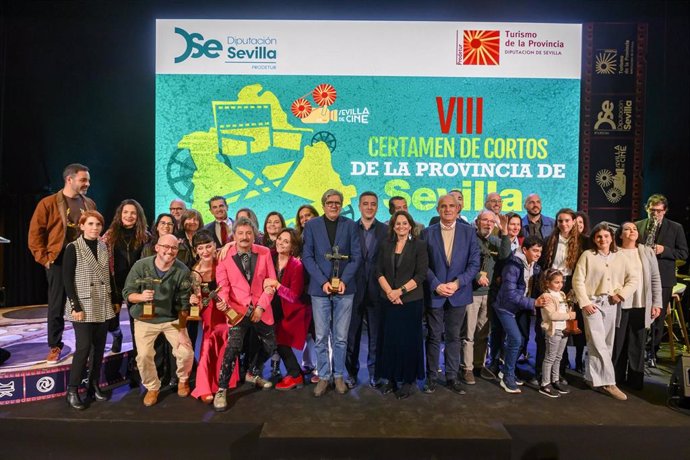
[(116, 346), (95, 393), (73, 399)]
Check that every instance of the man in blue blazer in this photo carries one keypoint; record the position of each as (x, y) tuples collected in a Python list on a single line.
[(453, 264), (366, 303), (321, 236), (534, 222)]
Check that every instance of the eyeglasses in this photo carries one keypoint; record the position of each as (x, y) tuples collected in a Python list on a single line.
[(656, 210), (335, 204), (167, 247), (176, 209), (166, 224), (495, 201)]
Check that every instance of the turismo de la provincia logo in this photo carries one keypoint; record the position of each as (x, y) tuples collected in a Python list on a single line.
[(234, 49)]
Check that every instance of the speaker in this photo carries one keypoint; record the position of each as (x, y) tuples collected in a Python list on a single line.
[(679, 385)]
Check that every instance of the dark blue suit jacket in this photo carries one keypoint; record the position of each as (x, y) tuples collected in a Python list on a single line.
[(317, 245), (366, 276), (464, 264)]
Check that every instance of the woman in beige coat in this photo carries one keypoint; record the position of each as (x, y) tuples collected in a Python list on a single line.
[(603, 279)]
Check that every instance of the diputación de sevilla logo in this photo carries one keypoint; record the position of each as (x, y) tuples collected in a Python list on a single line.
[(481, 47)]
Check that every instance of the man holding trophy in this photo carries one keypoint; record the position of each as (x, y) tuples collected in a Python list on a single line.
[(331, 256), (247, 304), (157, 290)]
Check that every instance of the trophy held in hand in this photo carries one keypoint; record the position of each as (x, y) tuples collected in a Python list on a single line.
[(149, 283), (336, 257)]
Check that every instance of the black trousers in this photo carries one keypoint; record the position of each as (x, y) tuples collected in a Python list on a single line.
[(659, 323), (88, 335), (290, 360), (628, 348), (56, 304), (236, 334), (371, 311)]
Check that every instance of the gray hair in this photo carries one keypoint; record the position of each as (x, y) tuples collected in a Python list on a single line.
[(331, 192), (245, 222)]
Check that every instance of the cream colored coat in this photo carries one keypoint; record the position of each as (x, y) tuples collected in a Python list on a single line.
[(596, 276)]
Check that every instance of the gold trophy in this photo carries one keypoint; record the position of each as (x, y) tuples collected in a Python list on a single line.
[(336, 257), (197, 286), (148, 308), (234, 318), (571, 327)]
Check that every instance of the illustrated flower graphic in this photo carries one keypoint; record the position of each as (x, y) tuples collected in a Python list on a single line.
[(301, 108), (324, 95), (481, 47)]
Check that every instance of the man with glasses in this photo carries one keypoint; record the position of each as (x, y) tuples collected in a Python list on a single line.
[(177, 207), (667, 238), (326, 240), (494, 203), (164, 281)]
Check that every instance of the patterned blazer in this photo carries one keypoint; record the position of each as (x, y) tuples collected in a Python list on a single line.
[(92, 284)]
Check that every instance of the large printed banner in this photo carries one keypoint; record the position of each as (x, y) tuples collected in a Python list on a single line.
[(270, 114), (612, 113)]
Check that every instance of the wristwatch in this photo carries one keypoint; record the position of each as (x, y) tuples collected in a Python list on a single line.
[(403, 290)]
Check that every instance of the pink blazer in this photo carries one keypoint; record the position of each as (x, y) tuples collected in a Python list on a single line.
[(235, 288)]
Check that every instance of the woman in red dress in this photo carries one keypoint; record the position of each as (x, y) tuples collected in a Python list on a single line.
[(214, 324)]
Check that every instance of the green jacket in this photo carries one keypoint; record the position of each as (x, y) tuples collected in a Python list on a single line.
[(172, 292)]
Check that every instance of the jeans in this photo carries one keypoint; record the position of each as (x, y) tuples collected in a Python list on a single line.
[(514, 341), (554, 346), (337, 308)]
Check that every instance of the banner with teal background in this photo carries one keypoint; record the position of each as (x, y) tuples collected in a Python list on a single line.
[(237, 136)]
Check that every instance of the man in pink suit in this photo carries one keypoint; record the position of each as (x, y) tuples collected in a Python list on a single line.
[(241, 278)]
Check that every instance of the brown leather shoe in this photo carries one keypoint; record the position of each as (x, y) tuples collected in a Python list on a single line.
[(321, 388), (340, 385), (54, 355), (468, 377), (183, 389), (151, 398)]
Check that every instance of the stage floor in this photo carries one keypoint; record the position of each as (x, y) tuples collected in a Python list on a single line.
[(484, 423)]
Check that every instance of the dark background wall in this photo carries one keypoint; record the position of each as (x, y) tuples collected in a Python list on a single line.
[(77, 85)]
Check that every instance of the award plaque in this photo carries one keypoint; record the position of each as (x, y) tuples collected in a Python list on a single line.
[(336, 257), (148, 308)]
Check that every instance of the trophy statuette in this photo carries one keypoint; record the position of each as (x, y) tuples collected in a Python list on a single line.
[(336, 257)]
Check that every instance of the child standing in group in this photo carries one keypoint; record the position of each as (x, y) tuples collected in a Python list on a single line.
[(554, 314), (514, 295)]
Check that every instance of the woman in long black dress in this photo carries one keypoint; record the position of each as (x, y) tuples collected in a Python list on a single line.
[(401, 270), (89, 304)]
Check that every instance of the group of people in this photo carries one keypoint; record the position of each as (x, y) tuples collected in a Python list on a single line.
[(261, 295)]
